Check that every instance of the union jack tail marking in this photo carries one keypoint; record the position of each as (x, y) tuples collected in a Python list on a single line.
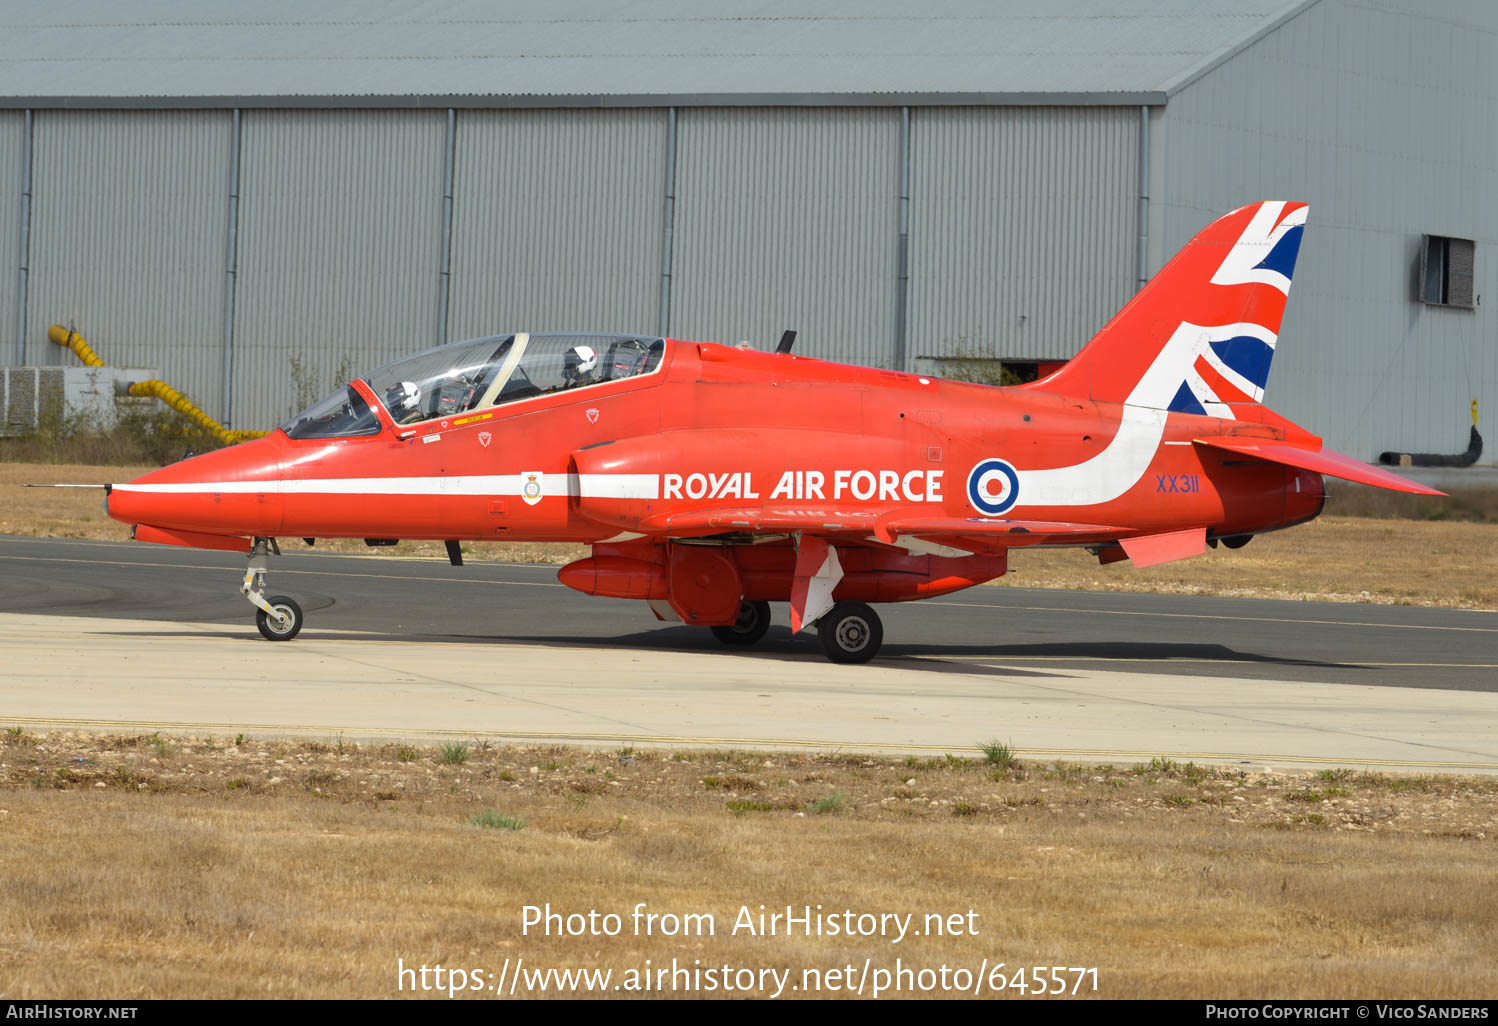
[(1199, 338)]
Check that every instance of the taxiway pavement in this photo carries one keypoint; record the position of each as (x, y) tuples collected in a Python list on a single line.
[(130, 637)]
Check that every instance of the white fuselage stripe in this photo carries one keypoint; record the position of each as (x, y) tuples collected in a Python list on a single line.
[(600, 486)]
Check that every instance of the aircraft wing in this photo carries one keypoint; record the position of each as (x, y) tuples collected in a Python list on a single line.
[(764, 520), (1323, 462), (971, 533), (988, 528)]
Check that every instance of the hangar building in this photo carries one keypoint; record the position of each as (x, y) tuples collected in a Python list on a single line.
[(258, 199)]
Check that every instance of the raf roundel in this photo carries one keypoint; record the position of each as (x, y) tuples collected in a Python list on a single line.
[(992, 487)]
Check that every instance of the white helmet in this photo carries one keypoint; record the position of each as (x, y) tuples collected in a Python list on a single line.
[(577, 361), (402, 397)]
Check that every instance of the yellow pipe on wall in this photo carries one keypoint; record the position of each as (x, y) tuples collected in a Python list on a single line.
[(179, 402), (69, 339)]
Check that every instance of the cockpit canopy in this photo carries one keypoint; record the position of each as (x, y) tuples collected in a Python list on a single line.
[(477, 374)]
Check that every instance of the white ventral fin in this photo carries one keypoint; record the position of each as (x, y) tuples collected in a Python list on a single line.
[(818, 571)]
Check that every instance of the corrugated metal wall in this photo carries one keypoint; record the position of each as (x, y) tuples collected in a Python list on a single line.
[(1377, 115), (1022, 228), (557, 221), (12, 154), (786, 218), (339, 249), (128, 223)]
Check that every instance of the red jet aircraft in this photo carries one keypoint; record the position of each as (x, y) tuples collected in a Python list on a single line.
[(711, 480)]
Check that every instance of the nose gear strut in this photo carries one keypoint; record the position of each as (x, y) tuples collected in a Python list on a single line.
[(279, 618)]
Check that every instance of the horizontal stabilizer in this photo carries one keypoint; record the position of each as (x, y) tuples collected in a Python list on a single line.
[(1326, 461)]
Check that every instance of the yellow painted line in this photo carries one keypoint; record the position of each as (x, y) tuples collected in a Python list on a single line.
[(1215, 616), (283, 570), (998, 661), (738, 742), (371, 554)]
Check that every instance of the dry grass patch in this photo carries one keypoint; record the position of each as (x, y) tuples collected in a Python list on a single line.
[(1478, 503), (60, 512), (1331, 559), (249, 867)]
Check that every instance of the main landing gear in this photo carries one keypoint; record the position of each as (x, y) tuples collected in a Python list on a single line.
[(278, 617), (753, 622), (850, 632)]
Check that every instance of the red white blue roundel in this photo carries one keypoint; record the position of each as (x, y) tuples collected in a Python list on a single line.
[(992, 487)]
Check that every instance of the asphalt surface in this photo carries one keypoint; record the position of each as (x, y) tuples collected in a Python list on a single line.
[(429, 600)]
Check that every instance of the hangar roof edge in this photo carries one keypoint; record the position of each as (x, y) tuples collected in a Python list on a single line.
[(601, 53)]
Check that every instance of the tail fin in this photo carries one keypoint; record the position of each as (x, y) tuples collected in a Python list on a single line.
[(1199, 337)]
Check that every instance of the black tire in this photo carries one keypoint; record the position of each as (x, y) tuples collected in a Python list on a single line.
[(1237, 541), (754, 621), (850, 632), (270, 628)]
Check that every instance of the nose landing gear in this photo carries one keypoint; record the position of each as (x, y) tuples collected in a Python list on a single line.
[(278, 617)]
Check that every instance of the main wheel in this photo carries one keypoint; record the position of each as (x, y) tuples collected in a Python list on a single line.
[(753, 622), (850, 633), (280, 630)]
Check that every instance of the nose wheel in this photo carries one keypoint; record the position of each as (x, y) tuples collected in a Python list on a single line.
[(850, 632), (284, 620), (279, 618)]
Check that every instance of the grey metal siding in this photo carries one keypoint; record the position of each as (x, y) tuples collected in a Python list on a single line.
[(1376, 115), (12, 136), (127, 241), (340, 233), (557, 221), (1023, 228), (786, 218), (598, 52)]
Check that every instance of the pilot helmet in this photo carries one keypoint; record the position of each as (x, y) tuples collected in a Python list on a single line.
[(578, 361), (402, 397)]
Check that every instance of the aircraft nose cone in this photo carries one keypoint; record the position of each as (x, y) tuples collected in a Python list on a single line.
[(234, 491)]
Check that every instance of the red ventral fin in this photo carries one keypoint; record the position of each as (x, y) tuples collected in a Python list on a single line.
[(1153, 549), (189, 539)]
